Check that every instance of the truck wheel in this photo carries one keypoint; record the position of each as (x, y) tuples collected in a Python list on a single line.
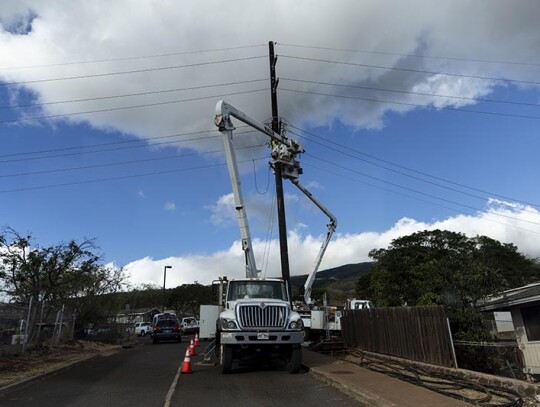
[(307, 334), (143, 333), (226, 358), (295, 360)]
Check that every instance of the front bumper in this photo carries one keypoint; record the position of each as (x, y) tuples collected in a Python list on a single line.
[(260, 338)]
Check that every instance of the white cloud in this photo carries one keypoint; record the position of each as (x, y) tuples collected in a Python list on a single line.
[(141, 194), (69, 30), (222, 212), (344, 248), (169, 206)]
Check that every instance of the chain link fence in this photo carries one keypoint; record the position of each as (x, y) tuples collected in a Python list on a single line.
[(39, 324)]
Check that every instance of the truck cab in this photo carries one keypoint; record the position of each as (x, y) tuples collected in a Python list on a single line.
[(257, 321)]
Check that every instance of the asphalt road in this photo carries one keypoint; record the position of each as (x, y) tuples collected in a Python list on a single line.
[(145, 376)]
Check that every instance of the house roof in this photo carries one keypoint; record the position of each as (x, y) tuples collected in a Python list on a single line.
[(516, 296)]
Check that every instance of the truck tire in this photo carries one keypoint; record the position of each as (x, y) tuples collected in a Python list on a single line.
[(307, 334), (295, 360), (226, 358)]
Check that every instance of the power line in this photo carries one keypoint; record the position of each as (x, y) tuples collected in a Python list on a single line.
[(124, 148), (390, 68), (53, 150), (453, 109), (390, 169), (94, 61), (100, 75), (414, 55), (100, 144), (104, 150), (411, 92), (418, 192), (409, 169), (130, 94), (128, 107), (326, 171), (96, 165), (408, 175), (119, 177), (86, 167)]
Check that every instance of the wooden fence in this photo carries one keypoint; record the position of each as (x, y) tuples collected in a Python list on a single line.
[(417, 333)]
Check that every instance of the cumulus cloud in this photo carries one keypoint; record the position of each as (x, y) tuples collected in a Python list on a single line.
[(521, 227), (223, 210), (36, 33)]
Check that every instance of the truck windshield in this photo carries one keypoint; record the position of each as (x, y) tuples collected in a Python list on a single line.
[(256, 289)]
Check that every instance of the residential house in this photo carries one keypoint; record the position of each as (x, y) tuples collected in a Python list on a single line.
[(524, 306)]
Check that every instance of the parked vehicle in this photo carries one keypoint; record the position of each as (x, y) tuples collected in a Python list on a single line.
[(167, 329), (164, 315), (143, 328), (189, 325)]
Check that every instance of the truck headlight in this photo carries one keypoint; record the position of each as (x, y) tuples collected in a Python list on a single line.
[(228, 324), (297, 325)]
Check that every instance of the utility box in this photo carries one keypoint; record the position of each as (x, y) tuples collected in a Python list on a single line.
[(317, 319), (209, 314)]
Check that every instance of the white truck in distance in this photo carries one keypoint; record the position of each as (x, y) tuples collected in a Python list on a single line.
[(189, 325)]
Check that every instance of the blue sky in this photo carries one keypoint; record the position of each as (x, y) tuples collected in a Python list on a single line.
[(431, 122)]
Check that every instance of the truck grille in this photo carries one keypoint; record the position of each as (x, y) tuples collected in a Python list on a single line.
[(262, 316)]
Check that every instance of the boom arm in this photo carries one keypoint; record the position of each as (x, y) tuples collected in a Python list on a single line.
[(223, 121), (284, 151), (330, 231)]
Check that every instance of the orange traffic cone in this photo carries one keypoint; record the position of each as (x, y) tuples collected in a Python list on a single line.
[(196, 342), (186, 366), (191, 349)]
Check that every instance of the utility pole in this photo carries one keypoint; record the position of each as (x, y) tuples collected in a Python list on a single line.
[(164, 292), (284, 250)]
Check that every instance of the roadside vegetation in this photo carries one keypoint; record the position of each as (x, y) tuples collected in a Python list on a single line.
[(446, 268)]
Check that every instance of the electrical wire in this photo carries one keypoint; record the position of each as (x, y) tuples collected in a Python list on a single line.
[(423, 56), (112, 109), (409, 175), (447, 384), (131, 161), (349, 149), (110, 149), (95, 61), (410, 92), (255, 181), (53, 150), (269, 234), (415, 198), (85, 182), (419, 192), (157, 69), (452, 109), (422, 71), (86, 167), (130, 94)]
